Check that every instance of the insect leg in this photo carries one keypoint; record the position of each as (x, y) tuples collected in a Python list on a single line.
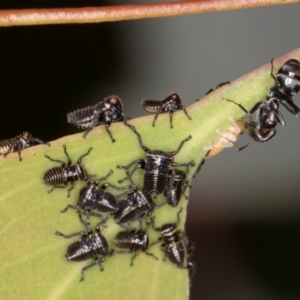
[(180, 146), (83, 155), (171, 119), (63, 164), (97, 262), (12, 145), (200, 166), (187, 165), (67, 207), (139, 137), (272, 74), (58, 187), (151, 254), (107, 125), (140, 165), (188, 116), (40, 141), (71, 188), (82, 233), (105, 185), (19, 148), (104, 178)]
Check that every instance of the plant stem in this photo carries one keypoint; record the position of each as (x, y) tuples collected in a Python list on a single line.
[(124, 12)]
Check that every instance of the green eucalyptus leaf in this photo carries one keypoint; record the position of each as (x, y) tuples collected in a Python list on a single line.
[(33, 264)]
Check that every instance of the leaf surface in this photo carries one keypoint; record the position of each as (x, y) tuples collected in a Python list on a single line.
[(33, 265)]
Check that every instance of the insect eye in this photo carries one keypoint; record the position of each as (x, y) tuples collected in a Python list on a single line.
[(113, 100)]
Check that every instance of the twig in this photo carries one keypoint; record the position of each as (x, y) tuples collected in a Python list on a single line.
[(124, 12)]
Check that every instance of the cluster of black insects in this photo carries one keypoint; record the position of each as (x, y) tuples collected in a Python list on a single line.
[(135, 204), (138, 204)]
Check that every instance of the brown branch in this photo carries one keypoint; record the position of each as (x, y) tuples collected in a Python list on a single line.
[(124, 12)]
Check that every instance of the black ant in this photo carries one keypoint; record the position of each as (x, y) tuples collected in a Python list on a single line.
[(263, 130), (287, 84)]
